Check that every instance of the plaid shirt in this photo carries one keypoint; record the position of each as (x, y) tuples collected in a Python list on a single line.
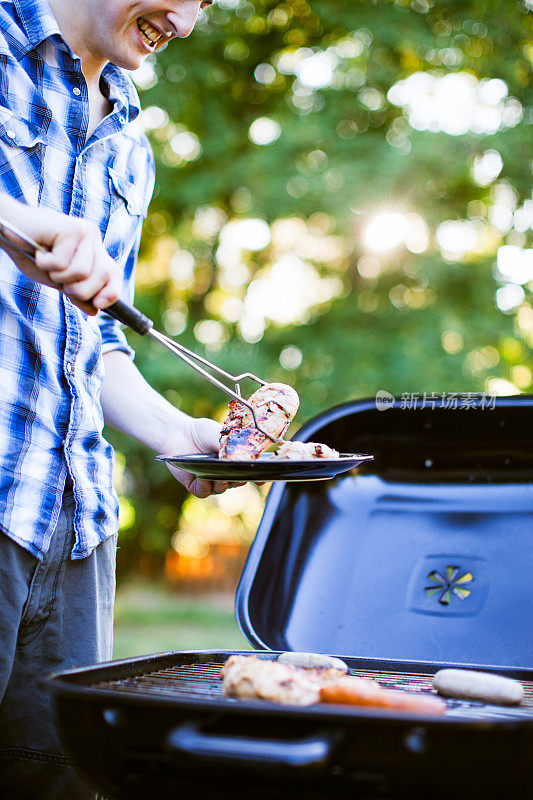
[(51, 368)]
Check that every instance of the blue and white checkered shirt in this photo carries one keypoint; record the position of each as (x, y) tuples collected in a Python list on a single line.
[(51, 368)]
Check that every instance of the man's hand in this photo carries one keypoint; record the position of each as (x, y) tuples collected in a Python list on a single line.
[(201, 436), (132, 406), (77, 262)]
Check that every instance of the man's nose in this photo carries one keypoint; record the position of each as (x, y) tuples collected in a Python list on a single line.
[(183, 19)]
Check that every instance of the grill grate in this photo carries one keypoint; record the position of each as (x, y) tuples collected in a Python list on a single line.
[(202, 682)]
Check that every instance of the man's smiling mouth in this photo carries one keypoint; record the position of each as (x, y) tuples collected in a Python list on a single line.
[(150, 36)]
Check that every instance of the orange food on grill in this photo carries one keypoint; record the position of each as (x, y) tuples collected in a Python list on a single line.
[(275, 406), (344, 692)]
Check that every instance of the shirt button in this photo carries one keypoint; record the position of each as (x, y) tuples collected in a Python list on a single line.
[(68, 367), (76, 91), (10, 134), (122, 119)]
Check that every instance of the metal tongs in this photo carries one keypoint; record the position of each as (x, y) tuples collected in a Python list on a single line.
[(141, 324)]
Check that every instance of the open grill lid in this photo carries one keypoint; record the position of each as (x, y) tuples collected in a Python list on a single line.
[(424, 554)]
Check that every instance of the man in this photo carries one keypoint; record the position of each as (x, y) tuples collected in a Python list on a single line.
[(77, 177)]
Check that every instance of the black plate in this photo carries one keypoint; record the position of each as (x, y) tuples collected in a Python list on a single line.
[(265, 468)]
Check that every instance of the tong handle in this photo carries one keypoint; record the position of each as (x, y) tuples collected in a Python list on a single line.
[(130, 316)]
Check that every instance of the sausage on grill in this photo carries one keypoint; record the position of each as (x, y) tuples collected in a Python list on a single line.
[(482, 686), (275, 405), (348, 693)]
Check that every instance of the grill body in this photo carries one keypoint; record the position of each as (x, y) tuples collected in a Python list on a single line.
[(418, 561), (159, 727)]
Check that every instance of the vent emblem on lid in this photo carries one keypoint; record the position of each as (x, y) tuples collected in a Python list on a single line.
[(452, 584), (443, 584)]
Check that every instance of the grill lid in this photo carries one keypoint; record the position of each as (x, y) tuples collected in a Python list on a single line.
[(424, 554)]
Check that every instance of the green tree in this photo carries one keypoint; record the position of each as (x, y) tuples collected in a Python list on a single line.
[(384, 148)]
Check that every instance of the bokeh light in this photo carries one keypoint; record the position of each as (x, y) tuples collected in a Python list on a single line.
[(290, 357), (457, 237), (186, 145), (264, 131), (455, 103), (287, 291), (509, 296), (515, 264), (265, 74), (487, 167), (245, 234)]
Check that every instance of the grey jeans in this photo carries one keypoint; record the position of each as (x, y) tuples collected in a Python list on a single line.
[(54, 614)]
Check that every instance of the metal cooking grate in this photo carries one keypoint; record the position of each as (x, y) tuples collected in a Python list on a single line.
[(202, 681)]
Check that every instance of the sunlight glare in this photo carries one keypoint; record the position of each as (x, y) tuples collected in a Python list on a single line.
[(386, 231)]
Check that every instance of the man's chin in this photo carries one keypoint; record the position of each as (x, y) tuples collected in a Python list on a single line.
[(128, 62)]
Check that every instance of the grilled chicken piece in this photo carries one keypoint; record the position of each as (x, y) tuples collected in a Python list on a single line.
[(275, 405), (305, 451), (254, 678), (250, 677)]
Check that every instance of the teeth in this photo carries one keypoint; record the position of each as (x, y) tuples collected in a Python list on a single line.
[(149, 34)]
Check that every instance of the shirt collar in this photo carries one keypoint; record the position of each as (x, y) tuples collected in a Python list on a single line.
[(122, 92), (38, 22)]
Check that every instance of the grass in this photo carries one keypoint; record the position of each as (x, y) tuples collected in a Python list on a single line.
[(151, 619)]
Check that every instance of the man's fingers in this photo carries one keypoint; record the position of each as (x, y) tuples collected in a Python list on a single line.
[(85, 290), (102, 287), (80, 266), (200, 488), (60, 257), (195, 486), (109, 294)]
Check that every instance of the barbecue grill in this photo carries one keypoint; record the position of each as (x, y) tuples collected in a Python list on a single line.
[(416, 561)]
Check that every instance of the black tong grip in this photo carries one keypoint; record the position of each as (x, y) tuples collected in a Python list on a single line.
[(130, 316)]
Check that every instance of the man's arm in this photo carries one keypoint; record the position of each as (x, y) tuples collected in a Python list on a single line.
[(133, 407), (77, 263)]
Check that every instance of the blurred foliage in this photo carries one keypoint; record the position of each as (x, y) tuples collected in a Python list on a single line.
[(148, 620), (419, 319)]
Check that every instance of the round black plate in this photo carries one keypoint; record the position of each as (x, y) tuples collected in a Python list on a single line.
[(265, 468)]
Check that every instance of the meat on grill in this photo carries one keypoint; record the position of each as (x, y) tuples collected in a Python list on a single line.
[(254, 678), (275, 405), (345, 692)]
